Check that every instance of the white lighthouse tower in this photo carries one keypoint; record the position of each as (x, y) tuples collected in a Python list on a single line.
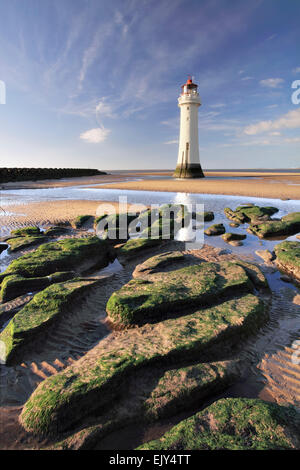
[(188, 163)]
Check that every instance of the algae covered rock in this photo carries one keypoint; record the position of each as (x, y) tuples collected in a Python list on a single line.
[(93, 381), (142, 299), (153, 394), (288, 257), (216, 229), (26, 231), (136, 245), (147, 372), (39, 314), (13, 286), (163, 222), (208, 216), (80, 220), (75, 254), (159, 262), (228, 237), (22, 242), (114, 227), (234, 424), (56, 231), (249, 213), (288, 225)]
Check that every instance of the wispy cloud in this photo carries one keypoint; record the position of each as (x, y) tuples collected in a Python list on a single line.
[(273, 36), (272, 82), (170, 142), (103, 109), (92, 52), (290, 120), (292, 140), (95, 136), (217, 105), (296, 70)]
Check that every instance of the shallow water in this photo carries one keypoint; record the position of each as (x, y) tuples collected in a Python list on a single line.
[(211, 201)]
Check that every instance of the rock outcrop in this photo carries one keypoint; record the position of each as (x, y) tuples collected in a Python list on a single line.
[(39, 315), (234, 424), (288, 258), (288, 225), (76, 254), (249, 213), (206, 310), (214, 230)]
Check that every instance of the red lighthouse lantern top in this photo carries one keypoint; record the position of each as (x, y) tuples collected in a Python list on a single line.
[(189, 86)]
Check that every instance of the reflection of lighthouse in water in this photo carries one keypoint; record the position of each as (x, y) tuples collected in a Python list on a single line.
[(188, 164)]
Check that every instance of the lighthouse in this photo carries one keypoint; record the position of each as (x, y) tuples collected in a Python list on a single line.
[(188, 163)]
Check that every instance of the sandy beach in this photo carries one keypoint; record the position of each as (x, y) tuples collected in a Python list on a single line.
[(49, 213), (268, 186), (277, 185)]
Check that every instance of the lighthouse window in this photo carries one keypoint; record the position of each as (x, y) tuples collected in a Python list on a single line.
[(188, 107)]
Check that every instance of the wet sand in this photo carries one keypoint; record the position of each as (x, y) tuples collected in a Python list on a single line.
[(48, 213), (262, 184), (273, 186)]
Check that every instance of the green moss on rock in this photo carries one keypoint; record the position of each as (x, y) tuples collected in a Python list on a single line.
[(56, 231), (288, 257), (214, 230), (164, 221), (114, 226), (94, 381), (22, 242), (80, 220), (227, 237), (246, 214), (40, 313), (142, 300), (158, 262), (234, 424), (288, 225), (63, 255), (13, 286), (208, 216), (25, 231), (254, 273), (153, 394), (135, 245)]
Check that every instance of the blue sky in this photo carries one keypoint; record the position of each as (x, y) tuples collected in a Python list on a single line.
[(92, 83)]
